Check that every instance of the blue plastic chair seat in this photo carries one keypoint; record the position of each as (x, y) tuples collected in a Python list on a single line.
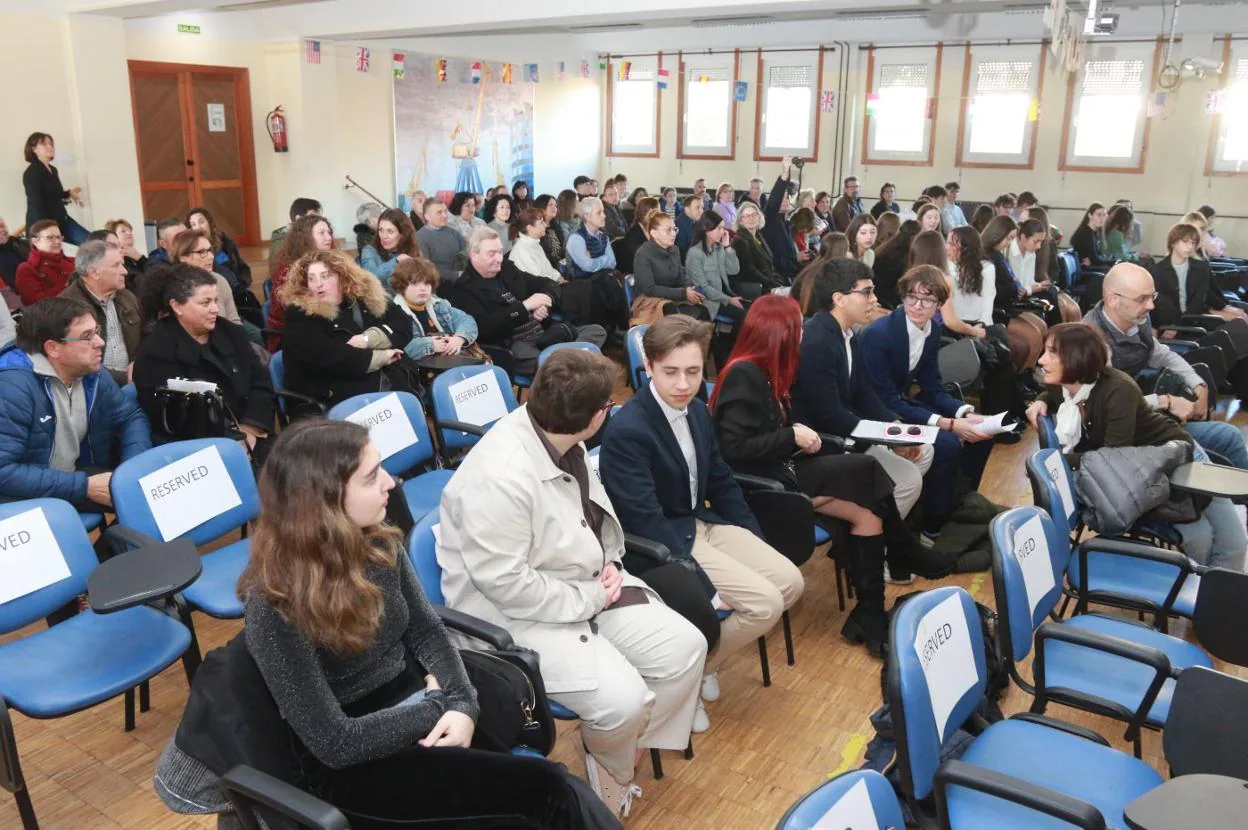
[(1165, 531), (1114, 678), (216, 591), (1101, 776), (1140, 578), (560, 711), (822, 537), (87, 659), (523, 381), (424, 492), (90, 521)]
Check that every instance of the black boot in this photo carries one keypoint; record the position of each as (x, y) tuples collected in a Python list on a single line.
[(905, 554), (868, 623)]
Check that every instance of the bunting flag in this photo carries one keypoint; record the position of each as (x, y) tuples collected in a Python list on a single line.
[(361, 59), (602, 64), (827, 101), (704, 79), (625, 68), (507, 74), (873, 101), (585, 69), (399, 65), (476, 72), (1033, 110), (661, 79), (312, 51), (1213, 101), (532, 73), (1156, 105), (440, 63), (563, 71), (740, 90)]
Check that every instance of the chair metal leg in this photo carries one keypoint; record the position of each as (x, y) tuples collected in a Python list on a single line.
[(11, 771), (129, 710), (26, 810), (1061, 614), (840, 586), (145, 696), (689, 750), (657, 763), (788, 637), (762, 659)]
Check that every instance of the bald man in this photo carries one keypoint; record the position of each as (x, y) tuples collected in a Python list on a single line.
[(1122, 317)]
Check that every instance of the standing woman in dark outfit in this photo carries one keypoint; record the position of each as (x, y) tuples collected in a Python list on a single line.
[(46, 197)]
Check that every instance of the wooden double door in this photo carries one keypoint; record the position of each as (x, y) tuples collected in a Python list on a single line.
[(193, 128)]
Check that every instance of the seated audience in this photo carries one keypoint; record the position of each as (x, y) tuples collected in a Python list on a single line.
[(462, 217), (832, 393), (520, 196), (777, 230), (711, 263), (686, 219), (191, 340), (342, 334), (299, 208), (437, 326), (566, 214), (1004, 205), (758, 269), (699, 190), (660, 280), (725, 205), (834, 245), (637, 236), (167, 230), (937, 195), (802, 221), (848, 205), (498, 215), (308, 233), (1088, 240), (417, 211), (512, 308), (1117, 234), (135, 262), (891, 261), (100, 284), (527, 254), (899, 352), (8, 329), (1198, 220), (616, 225), (1095, 406), (758, 437), (1185, 283), (928, 217), (996, 239), (982, 216), (47, 270), (394, 242), (823, 212), (887, 202), (669, 204), (1209, 243), (581, 186), (662, 467), (367, 216), (440, 243), (64, 422), (589, 247), (13, 252), (951, 215), (552, 242), (862, 231), (755, 194), (886, 228), (194, 248), (229, 262), (531, 542)]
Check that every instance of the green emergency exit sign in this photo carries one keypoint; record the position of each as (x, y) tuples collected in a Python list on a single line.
[(188, 29)]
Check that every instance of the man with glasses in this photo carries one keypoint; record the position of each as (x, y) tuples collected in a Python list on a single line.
[(900, 351), (1122, 317), (63, 420)]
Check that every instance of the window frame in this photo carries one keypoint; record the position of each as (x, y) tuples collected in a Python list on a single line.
[(1109, 51), (1216, 135), (970, 69), (868, 121), (628, 152), (762, 153), (682, 115)]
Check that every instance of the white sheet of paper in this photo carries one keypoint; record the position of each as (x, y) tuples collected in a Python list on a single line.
[(943, 646), (387, 423), (1031, 548), (878, 431), (478, 400), (852, 812), (993, 425), (593, 461), (1057, 474), (185, 494), (216, 118), (30, 558)]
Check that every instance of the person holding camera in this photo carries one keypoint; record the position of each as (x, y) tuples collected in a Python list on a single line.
[(777, 230)]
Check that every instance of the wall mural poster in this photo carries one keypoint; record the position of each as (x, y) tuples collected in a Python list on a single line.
[(460, 135)]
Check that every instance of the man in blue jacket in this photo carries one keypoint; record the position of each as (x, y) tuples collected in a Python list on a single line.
[(63, 421), (662, 468), (900, 351)]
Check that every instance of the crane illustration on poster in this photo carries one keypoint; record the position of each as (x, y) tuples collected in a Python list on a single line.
[(461, 135)]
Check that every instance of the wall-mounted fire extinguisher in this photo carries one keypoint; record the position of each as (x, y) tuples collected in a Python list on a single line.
[(276, 124)]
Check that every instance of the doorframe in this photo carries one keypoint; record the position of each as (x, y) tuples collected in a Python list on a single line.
[(241, 76)]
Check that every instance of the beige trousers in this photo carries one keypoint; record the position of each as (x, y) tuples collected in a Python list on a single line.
[(907, 475)]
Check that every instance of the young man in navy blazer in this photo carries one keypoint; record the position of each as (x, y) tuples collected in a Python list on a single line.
[(662, 468), (899, 351)]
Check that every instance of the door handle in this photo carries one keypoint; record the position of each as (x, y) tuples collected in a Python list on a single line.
[(190, 162)]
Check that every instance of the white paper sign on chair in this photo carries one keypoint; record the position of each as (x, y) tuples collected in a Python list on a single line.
[(30, 558), (478, 400), (387, 424), (943, 646), (1031, 549), (190, 491), (1055, 469), (852, 812)]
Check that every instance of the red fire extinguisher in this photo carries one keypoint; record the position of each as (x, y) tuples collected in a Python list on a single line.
[(276, 124)]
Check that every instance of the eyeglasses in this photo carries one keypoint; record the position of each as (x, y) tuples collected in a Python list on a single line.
[(866, 292), (1143, 298), (201, 251), (86, 338), (46, 238), (921, 302), (608, 405)]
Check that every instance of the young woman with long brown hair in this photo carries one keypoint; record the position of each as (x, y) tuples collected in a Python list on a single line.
[(307, 233), (395, 242)]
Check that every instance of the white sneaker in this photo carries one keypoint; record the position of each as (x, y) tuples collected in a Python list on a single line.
[(710, 687), (896, 580), (618, 797), (701, 721)]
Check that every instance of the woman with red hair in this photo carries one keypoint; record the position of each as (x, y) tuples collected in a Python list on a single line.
[(751, 412)]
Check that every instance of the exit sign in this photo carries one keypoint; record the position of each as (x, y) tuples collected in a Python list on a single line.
[(188, 29)]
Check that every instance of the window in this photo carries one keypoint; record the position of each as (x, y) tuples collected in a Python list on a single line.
[(786, 114), (1001, 93), (633, 107), (1230, 152), (707, 127), (902, 88), (1106, 126)]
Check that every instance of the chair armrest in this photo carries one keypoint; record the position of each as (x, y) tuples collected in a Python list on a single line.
[(130, 537), (838, 441), (1136, 550), (302, 398), (750, 483), (647, 548), (487, 632), (273, 332), (140, 576), (1208, 322), (1062, 726), (247, 787), (460, 426), (1024, 793), (1188, 331)]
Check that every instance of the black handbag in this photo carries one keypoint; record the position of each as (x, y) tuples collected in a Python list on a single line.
[(512, 697), (189, 415)]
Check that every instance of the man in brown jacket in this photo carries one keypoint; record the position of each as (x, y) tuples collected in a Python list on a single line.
[(100, 282), (848, 206)]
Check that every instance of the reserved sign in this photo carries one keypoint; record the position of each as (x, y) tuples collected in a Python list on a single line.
[(30, 558), (189, 492), (943, 646), (478, 399), (387, 424)]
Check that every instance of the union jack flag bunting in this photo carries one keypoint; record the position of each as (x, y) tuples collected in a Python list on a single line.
[(361, 59)]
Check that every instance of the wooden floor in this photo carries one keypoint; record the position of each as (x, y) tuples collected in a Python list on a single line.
[(766, 746)]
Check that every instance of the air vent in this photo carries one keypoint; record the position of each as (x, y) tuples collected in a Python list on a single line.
[(872, 15), (605, 27), (253, 5), (725, 22)]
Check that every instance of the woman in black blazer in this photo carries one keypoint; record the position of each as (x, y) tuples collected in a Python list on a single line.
[(1201, 294), (750, 410), (192, 341), (46, 197)]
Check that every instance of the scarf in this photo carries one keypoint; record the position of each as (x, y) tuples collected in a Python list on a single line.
[(1069, 422)]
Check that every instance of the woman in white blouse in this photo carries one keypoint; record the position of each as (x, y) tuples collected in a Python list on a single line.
[(526, 251)]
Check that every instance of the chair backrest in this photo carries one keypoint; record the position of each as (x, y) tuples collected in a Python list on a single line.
[(1205, 730), (630, 284), (1222, 615), (937, 678), (576, 344), (959, 362), (1029, 559), (396, 424), (1211, 383), (1047, 433), (1212, 357), (45, 559), (199, 490), (1237, 331), (860, 800), (477, 395), (1068, 264), (422, 550), (277, 375), (637, 376), (1053, 488)]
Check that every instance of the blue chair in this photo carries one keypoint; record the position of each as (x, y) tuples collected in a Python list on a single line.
[(454, 434), (82, 661), (629, 285), (423, 491), (637, 376), (214, 592), (549, 350), (822, 807), (267, 286), (1104, 665), (1121, 574), (277, 374), (1047, 434), (1020, 773)]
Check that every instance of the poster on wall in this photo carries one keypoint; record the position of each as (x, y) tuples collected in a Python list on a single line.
[(460, 135)]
